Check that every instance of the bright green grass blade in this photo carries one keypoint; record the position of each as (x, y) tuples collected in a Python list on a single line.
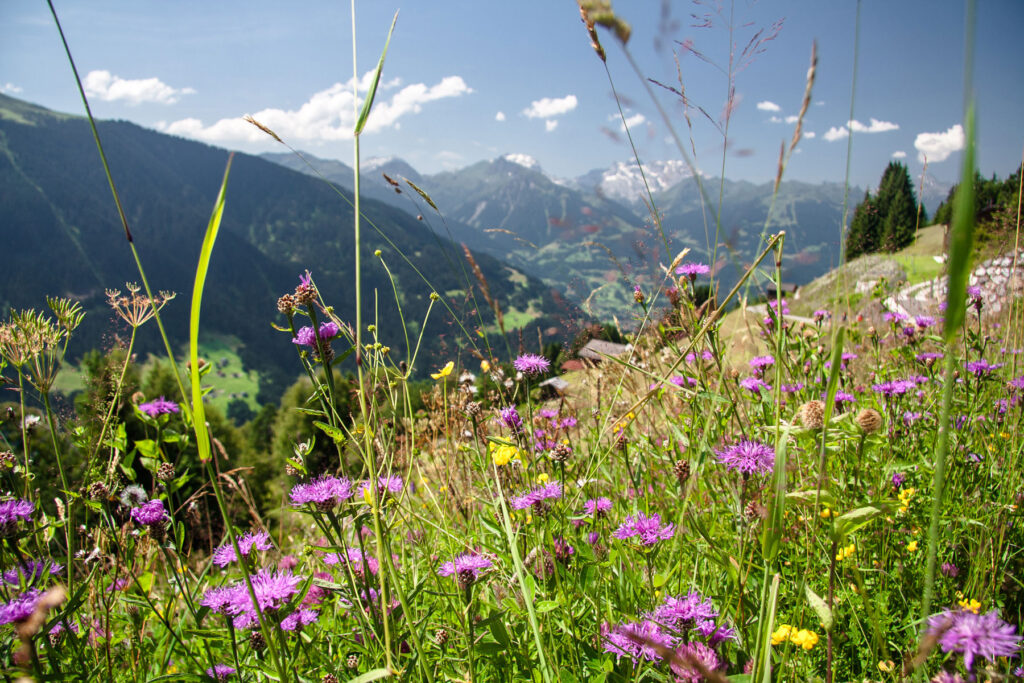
[(368, 102), (212, 228), (961, 237)]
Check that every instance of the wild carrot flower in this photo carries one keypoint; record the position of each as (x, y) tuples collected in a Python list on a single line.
[(647, 530), (465, 568), (160, 406), (531, 364), (748, 457), (971, 635)]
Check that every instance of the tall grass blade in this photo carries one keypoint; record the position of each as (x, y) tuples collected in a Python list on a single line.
[(212, 228), (372, 92)]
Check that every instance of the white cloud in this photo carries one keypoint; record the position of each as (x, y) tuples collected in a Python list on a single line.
[(938, 146), (632, 121), (550, 125), (793, 118), (810, 134), (775, 119), (768, 106), (547, 107), (500, 116), (833, 133), (10, 88), (819, 103), (899, 154), (110, 88), (328, 115), (875, 126)]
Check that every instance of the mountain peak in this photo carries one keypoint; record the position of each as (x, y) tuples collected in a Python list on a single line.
[(524, 160)]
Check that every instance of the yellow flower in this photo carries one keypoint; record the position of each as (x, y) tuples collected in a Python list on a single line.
[(912, 547), (444, 372), (970, 605), (826, 513), (805, 639), (485, 366), (782, 634), (502, 454), (886, 667), (542, 478), (846, 552)]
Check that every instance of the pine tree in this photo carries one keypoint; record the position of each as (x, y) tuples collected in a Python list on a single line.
[(864, 236), (897, 207)]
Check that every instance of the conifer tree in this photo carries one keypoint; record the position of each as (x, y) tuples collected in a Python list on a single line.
[(897, 207), (865, 229)]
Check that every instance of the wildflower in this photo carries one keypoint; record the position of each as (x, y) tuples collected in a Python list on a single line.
[(531, 364), (392, 485), (692, 270), (299, 618), (648, 530), (537, 496), (805, 639), (684, 666), (846, 552), (869, 420), (30, 570), (950, 570), (828, 512), (912, 547), (638, 294), (635, 640), (969, 605), (689, 611), (597, 507), (220, 672), (760, 363), (821, 314), (894, 388), (924, 321), (748, 457), (898, 478), (361, 563), (971, 635), (324, 493), (160, 406), (225, 555), (465, 568), (20, 608), (502, 454), (133, 496), (306, 337), (812, 415), (12, 513), (754, 384), (273, 589), (982, 368), (510, 416), (220, 598), (150, 514), (485, 366), (443, 372)]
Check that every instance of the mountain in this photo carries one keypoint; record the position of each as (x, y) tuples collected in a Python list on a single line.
[(63, 237), (624, 182)]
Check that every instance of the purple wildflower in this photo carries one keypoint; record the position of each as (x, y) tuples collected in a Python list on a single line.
[(385, 485), (894, 388), (893, 317), (971, 634), (821, 314), (597, 507), (898, 479), (950, 570), (929, 356), (220, 599), (324, 493), (685, 669), (692, 270), (29, 571), (924, 321), (20, 608), (635, 639), (299, 618), (220, 672), (273, 589), (510, 416), (982, 368), (225, 555), (465, 568), (12, 513), (531, 364), (150, 513), (537, 496), (749, 457), (842, 397), (547, 413), (754, 384), (678, 615), (361, 563), (305, 337), (648, 530), (160, 406), (792, 388), (759, 363)]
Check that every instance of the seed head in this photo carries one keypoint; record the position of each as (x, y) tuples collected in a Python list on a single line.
[(256, 641), (165, 472), (441, 637), (682, 470), (331, 678), (812, 415), (870, 420), (286, 304), (98, 491), (352, 662), (561, 452)]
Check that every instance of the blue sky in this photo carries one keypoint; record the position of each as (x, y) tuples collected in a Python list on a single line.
[(467, 80)]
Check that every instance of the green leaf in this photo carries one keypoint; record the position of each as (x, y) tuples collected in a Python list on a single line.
[(545, 606), (823, 611), (853, 520), (774, 524), (824, 497), (147, 447), (374, 675), (146, 582), (961, 236), (212, 228), (330, 430), (372, 92), (659, 580)]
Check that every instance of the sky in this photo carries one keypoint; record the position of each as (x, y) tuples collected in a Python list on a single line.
[(471, 80)]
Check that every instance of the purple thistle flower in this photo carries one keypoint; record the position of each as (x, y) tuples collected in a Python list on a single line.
[(220, 672), (754, 384), (792, 388), (648, 530), (20, 608), (685, 670), (924, 321), (225, 555), (842, 397), (982, 368), (759, 363), (634, 640), (299, 618), (950, 570), (151, 513), (971, 635), (273, 589), (893, 317), (898, 479), (220, 599), (929, 356), (547, 413), (597, 507), (748, 457), (1016, 383), (385, 485), (305, 336), (692, 270), (160, 406), (537, 496), (12, 513), (362, 564), (894, 388), (821, 314), (465, 568), (324, 493), (29, 571), (510, 417), (690, 611), (531, 364)]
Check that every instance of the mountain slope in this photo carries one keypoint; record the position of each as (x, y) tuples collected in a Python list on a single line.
[(62, 230)]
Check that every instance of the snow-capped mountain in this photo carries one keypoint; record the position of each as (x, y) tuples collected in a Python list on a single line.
[(623, 182)]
